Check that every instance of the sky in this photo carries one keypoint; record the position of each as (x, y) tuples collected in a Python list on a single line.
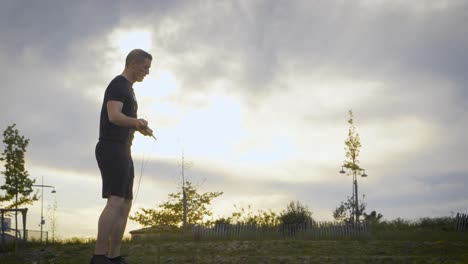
[(253, 94)]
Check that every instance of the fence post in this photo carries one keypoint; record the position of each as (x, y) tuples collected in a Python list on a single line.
[(465, 222), (309, 230), (461, 222)]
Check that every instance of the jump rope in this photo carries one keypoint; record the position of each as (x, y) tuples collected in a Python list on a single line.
[(142, 168)]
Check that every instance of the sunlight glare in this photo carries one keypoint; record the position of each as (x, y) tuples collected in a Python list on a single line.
[(121, 42), (134, 39), (158, 85), (127, 40)]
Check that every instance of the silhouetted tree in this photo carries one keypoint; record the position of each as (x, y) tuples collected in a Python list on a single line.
[(351, 164), (53, 218), (170, 213), (18, 186)]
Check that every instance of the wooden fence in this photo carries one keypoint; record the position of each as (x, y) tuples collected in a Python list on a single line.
[(312, 230), (461, 222)]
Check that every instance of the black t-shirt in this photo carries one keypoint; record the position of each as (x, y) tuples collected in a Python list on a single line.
[(119, 89)]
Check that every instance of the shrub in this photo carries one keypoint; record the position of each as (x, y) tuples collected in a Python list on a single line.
[(295, 213)]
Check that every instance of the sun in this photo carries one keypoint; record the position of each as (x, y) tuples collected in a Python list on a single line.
[(126, 40), (121, 41)]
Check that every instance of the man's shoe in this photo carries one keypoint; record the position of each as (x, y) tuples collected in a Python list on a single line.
[(100, 259), (117, 260)]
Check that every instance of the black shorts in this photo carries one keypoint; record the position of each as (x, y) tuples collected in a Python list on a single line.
[(115, 162)]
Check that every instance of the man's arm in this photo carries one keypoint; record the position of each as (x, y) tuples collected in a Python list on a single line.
[(114, 112)]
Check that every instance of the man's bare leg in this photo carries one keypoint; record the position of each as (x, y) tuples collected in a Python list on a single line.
[(119, 229), (107, 221)]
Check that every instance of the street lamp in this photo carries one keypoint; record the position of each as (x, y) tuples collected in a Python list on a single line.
[(342, 170), (42, 200), (355, 192)]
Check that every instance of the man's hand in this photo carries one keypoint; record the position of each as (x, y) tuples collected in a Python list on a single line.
[(141, 124), (143, 128), (146, 131)]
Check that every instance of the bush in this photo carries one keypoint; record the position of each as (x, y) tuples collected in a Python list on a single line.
[(423, 229), (438, 223), (441, 223), (244, 216), (295, 213)]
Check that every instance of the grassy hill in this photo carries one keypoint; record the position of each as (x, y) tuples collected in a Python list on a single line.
[(146, 251), (398, 241)]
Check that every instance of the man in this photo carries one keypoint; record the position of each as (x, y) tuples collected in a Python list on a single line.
[(118, 123)]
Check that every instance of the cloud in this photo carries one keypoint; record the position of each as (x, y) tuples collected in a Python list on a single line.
[(57, 59), (253, 46)]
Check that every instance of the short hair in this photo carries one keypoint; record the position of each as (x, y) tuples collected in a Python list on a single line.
[(137, 55)]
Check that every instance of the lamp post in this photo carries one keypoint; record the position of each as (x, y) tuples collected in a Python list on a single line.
[(42, 200), (355, 209)]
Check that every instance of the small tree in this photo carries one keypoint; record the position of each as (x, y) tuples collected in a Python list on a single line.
[(352, 146), (351, 164), (170, 213), (53, 218), (18, 186)]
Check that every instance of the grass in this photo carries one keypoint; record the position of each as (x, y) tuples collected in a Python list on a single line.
[(399, 241), (157, 250), (423, 229)]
